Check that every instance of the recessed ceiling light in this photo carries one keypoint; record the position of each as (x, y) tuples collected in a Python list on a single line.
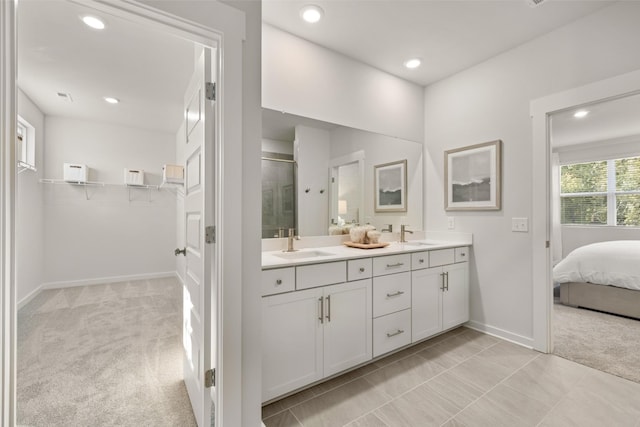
[(93, 22), (412, 63), (111, 100), (311, 13), (580, 114)]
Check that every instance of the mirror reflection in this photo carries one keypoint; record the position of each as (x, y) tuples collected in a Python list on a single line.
[(318, 177)]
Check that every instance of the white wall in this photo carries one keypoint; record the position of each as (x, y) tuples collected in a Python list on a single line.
[(381, 149), (302, 78), (29, 210), (491, 101), (107, 236), (311, 152), (275, 146)]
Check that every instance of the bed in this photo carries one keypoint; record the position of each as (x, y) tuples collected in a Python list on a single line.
[(602, 276)]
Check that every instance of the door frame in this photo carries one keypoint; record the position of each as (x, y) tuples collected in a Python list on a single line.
[(213, 24), (541, 109)]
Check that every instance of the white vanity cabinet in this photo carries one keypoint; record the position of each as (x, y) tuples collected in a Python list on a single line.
[(291, 341), (439, 293), (391, 303), (320, 319), (314, 333)]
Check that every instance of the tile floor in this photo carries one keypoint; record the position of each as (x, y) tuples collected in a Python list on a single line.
[(464, 378)]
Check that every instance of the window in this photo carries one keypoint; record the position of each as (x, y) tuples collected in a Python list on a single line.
[(25, 145), (601, 193)]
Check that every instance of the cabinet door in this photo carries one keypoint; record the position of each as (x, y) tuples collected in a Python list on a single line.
[(455, 298), (291, 341), (347, 325), (426, 293)]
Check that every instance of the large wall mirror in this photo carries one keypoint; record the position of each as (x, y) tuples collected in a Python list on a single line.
[(318, 175)]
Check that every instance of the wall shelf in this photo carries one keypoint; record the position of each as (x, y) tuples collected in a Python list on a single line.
[(141, 187), (84, 184), (130, 188)]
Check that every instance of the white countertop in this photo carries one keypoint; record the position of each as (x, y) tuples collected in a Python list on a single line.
[(277, 259)]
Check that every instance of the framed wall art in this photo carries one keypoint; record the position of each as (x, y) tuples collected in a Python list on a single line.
[(473, 177), (390, 187)]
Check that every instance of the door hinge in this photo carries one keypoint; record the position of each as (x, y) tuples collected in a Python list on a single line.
[(210, 90), (547, 244), (210, 378), (210, 234), (333, 180)]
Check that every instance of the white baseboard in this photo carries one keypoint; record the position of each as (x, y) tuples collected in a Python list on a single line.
[(99, 281), (31, 295), (501, 333)]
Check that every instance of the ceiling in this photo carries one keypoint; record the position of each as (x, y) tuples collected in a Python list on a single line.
[(449, 35), (148, 71), (607, 121)]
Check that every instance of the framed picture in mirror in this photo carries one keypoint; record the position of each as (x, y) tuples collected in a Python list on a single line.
[(390, 187), (473, 177)]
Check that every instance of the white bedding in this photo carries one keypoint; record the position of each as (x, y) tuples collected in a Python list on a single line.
[(615, 263)]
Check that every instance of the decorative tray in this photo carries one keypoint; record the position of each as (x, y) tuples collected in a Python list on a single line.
[(366, 245)]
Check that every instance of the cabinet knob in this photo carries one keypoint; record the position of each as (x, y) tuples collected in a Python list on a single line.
[(279, 282), (361, 269), (421, 261)]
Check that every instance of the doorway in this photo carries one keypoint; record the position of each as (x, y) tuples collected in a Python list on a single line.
[(595, 225), (541, 111), (97, 229)]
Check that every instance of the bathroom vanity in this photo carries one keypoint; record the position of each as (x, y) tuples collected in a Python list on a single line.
[(328, 309)]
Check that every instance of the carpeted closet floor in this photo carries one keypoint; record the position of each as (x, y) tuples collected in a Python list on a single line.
[(103, 355), (602, 341)]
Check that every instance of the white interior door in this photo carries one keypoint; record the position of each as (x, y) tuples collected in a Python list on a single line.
[(199, 312)]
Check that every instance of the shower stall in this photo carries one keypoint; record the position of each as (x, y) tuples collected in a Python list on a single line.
[(278, 196)]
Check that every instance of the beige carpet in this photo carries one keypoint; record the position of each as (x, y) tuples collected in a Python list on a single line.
[(602, 341), (103, 355)]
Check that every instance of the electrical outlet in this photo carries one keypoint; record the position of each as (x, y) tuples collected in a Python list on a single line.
[(451, 222), (520, 225)]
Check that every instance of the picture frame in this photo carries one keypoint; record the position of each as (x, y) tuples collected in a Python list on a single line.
[(473, 177), (390, 187)]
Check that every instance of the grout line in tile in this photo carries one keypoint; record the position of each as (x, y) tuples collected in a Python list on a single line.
[(491, 389), (375, 370)]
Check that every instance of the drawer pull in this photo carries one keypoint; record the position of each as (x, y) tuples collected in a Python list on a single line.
[(361, 269), (421, 261), (279, 282), (393, 334), (397, 264), (395, 294)]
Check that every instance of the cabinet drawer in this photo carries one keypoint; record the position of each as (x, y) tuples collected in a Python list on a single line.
[(391, 331), (441, 257), (391, 264), (329, 273), (359, 269), (391, 293), (278, 280), (462, 254), (419, 260)]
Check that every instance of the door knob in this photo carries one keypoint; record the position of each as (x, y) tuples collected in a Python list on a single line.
[(179, 251)]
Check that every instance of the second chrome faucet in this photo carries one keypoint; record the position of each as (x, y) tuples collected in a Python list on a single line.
[(403, 230)]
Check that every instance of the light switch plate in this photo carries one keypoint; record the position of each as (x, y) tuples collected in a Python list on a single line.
[(451, 222), (520, 225)]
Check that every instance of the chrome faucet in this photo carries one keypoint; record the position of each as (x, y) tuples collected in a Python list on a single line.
[(290, 238), (402, 231), (389, 229)]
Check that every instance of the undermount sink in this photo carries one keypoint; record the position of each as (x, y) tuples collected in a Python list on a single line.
[(418, 243), (302, 254)]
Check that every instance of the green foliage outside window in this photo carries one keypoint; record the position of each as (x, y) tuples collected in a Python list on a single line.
[(592, 178)]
